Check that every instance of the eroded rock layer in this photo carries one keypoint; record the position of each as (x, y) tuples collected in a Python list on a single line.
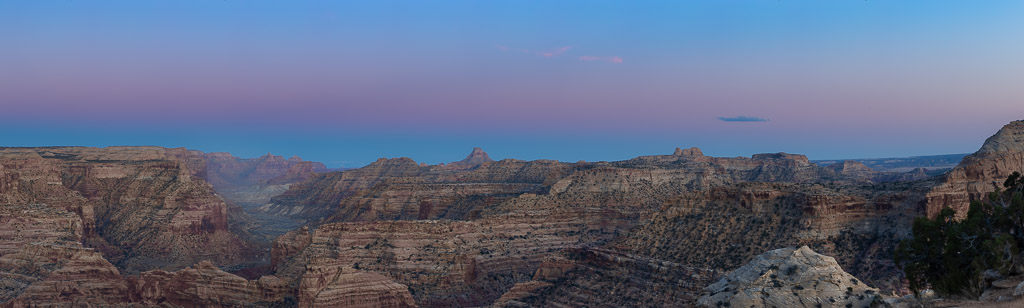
[(142, 207), (693, 214)]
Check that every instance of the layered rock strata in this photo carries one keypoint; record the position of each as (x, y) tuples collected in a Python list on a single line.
[(142, 207)]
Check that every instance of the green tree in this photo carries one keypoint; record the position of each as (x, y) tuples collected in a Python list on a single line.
[(950, 256)]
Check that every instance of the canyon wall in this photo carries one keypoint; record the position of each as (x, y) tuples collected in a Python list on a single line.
[(982, 172)]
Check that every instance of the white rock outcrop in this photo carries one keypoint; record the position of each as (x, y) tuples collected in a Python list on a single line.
[(789, 277)]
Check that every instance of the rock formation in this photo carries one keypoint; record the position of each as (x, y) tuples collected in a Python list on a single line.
[(475, 158), (66, 211), (853, 169), (980, 173), (142, 207), (204, 285), (701, 215), (402, 189), (694, 152), (338, 286), (789, 277), (653, 230), (59, 274)]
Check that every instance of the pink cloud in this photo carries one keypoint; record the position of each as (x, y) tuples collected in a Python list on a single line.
[(555, 52), (547, 54), (612, 59)]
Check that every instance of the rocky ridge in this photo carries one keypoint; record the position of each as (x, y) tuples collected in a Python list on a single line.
[(617, 209)]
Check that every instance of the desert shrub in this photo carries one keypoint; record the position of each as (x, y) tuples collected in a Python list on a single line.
[(950, 255)]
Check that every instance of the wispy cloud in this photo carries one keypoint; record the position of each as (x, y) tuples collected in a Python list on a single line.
[(555, 52), (743, 119), (546, 53), (612, 59)]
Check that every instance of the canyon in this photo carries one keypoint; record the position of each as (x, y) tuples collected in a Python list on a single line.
[(158, 226)]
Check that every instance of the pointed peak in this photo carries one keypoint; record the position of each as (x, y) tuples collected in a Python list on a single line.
[(295, 158), (476, 157)]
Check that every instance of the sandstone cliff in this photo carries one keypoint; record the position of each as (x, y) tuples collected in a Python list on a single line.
[(981, 172), (142, 207)]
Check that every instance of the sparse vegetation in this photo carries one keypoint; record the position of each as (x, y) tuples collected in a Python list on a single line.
[(950, 256)]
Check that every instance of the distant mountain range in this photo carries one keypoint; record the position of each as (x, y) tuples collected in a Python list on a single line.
[(932, 163)]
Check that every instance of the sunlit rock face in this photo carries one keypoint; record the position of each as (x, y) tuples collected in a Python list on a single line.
[(982, 172)]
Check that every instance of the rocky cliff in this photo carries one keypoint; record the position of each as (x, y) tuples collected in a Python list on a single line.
[(402, 189), (142, 207), (66, 211), (982, 172), (695, 214)]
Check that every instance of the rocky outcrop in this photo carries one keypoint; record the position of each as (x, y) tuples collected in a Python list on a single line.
[(980, 173), (853, 169), (476, 157), (691, 152), (59, 274), (326, 285), (204, 285), (789, 277)]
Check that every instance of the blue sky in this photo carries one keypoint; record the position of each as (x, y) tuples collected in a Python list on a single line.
[(348, 82)]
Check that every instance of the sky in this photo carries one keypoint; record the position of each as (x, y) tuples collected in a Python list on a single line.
[(347, 82)]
